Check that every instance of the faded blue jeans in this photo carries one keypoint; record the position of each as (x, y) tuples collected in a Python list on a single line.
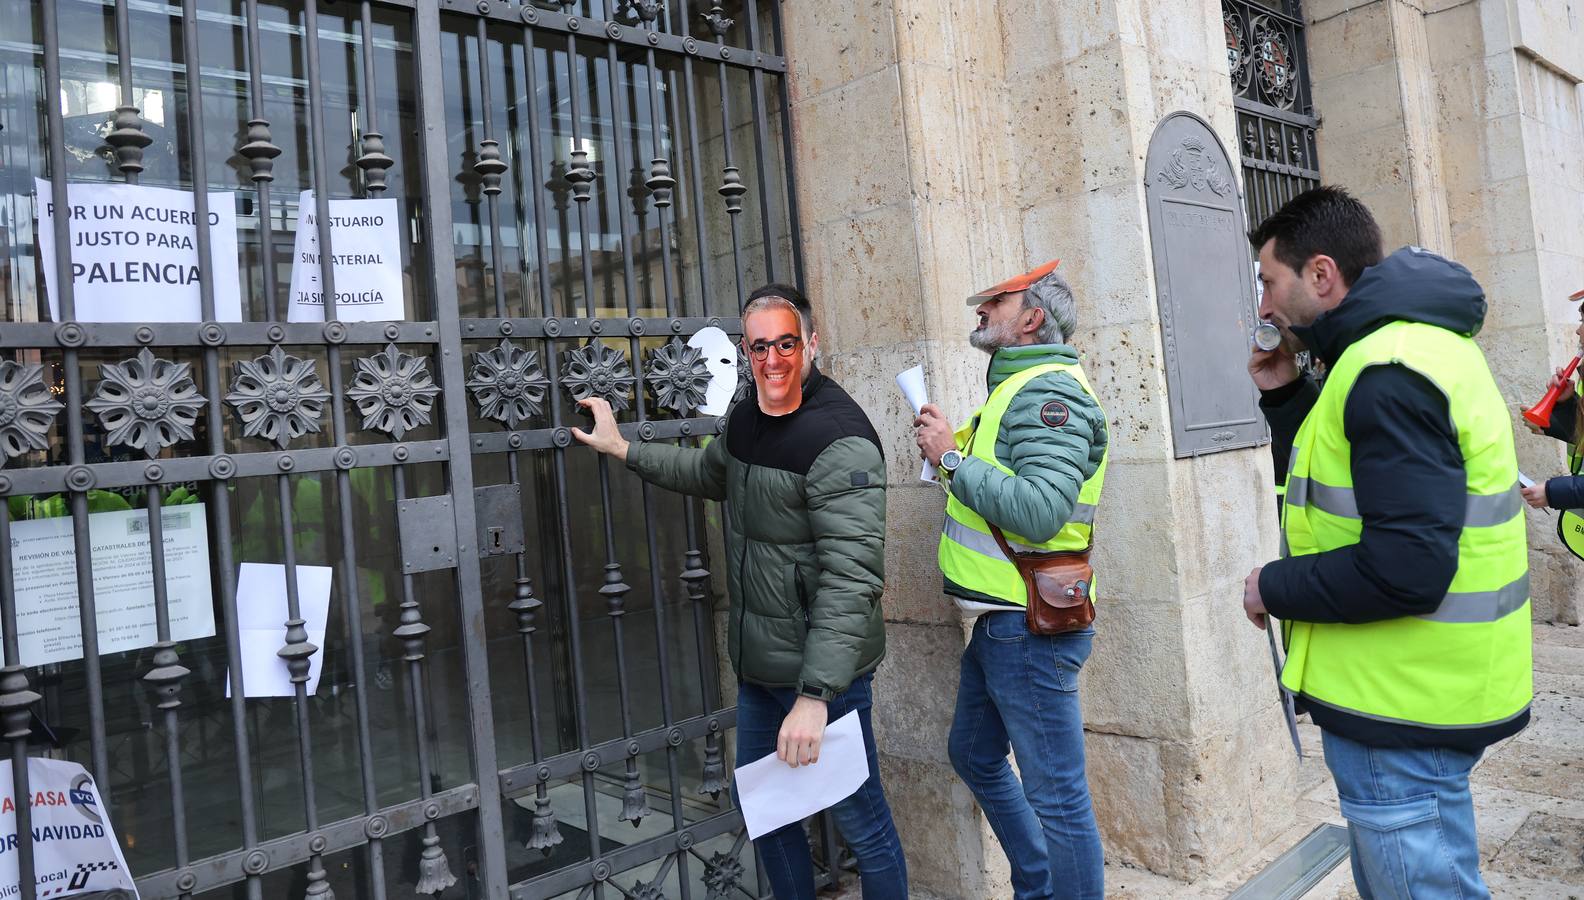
[(1019, 692), (864, 819), (1410, 819)]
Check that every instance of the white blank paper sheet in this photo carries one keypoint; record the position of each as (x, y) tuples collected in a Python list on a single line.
[(774, 794)]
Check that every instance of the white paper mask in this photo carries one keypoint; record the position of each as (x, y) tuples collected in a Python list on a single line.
[(720, 355)]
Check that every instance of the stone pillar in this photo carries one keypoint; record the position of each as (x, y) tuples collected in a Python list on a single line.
[(941, 146), (1501, 156)]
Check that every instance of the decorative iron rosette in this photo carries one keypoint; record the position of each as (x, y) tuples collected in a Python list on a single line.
[(723, 874), (147, 403), (595, 370), (678, 376), (278, 397), (508, 383), (393, 390), (27, 409)]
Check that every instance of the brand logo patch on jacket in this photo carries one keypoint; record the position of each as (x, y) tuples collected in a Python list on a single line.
[(1054, 414)]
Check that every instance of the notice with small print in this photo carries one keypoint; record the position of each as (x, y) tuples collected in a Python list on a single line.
[(75, 850), (365, 246), (134, 253), (44, 563)]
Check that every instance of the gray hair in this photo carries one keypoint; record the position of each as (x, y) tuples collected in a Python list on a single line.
[(1054, 295)]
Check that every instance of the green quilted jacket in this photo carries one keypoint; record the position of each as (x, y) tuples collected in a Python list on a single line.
[(805, 544)]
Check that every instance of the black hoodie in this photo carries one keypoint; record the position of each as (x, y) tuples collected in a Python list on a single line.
[(1408, 478)]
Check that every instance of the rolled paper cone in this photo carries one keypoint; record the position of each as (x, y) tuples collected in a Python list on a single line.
[(912, 384)]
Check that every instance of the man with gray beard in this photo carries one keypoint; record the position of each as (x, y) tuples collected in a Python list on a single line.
[(1026, 469)]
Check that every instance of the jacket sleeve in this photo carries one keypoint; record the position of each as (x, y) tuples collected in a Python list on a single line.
[(1285, 408), (1410, 488), (847, 515), (1565, 492), (700, 472), (1564, 418), (1049, 462)]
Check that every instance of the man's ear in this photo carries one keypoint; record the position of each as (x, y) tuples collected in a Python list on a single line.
[(1034, 324)]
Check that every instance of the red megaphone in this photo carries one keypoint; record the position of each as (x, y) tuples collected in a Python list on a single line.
[(1539, 415)]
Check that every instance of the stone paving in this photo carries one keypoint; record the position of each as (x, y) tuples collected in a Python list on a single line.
[(1528, 797)]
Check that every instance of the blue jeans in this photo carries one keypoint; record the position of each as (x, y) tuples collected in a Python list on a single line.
[(1019, 691), (1410, 819), (864, 819)]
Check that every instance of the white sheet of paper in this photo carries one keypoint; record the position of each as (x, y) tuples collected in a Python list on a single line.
[(774, 794), (1525, 480), (261, 618), (720, 357), (912, 384), (365, 236), (134, 253)]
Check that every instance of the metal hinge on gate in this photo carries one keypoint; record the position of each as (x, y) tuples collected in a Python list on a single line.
[(500, 519), (427, 527)]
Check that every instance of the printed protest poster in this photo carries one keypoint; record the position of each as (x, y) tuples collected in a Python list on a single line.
[(134, 253), (75, 850), (365, 240), (44, 563)]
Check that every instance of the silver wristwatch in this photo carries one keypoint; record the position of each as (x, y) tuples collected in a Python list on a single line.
[(950, 460)]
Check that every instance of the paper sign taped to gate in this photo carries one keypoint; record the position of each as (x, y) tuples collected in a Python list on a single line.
[(75, 851)]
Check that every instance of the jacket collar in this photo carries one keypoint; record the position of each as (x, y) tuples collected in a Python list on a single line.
[(1008, 361)]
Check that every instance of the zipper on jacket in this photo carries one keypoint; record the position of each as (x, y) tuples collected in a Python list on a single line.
[(742, 568)]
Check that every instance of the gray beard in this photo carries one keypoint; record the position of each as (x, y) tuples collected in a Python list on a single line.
[(991, 338)]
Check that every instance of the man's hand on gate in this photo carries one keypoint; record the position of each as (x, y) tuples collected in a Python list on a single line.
[(801, 733), (605, 437), (1272, 369), (933, 434), (1253, 604)]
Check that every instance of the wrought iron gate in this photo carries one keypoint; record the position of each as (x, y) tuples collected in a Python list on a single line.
[(1268, 60), (520, 694)]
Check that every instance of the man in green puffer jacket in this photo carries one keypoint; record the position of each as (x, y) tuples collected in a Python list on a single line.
[(802, 468), (1031, 462)]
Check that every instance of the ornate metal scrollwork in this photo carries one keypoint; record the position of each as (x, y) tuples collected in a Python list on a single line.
[(128, 140), (1192, 166), (595, 370), (545, 835), (678, 376), (1239, 58), (373, 161), (147, 403), (508, 384), (1274, 64), (434, 873), (393, 390), (27, 409), (489, 166), (717, 20), (278, 397)]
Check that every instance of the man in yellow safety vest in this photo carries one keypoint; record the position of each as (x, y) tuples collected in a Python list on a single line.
[(1029, 462), (1403, 587)]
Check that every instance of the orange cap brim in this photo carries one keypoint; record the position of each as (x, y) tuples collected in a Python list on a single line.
[(1015, 283)]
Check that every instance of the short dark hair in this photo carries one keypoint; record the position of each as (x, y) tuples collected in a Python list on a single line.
[(790, 294), (1323, 221)]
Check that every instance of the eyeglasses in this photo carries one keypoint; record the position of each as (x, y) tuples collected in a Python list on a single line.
[(784, 347)]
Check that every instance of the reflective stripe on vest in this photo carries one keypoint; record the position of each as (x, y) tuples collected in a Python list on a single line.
[(969, 555), (1467, 664)]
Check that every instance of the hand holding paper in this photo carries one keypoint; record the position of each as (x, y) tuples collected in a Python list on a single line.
[(912, 384), (774, 794)]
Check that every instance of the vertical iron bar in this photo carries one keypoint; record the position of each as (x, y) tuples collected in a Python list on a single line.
[(788, 160), (532, 184), (437, 180), (166, 677), (298, 653), (699, 230), (731, 183), (82, 544), (349, 577), (260, 126), (662, 212), (16, 701), (485, 99), (321, 175), (769, 222)]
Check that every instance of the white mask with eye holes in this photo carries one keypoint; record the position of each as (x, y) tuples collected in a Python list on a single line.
[(720, 356)]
